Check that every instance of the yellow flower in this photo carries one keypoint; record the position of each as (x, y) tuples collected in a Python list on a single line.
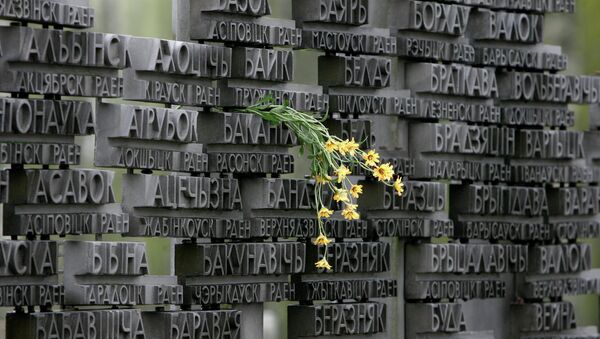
[(349, 146), (341, 195), (341, 147), (352, 207), (356, 190), (322, 179), (399, 186), (371, 158), (331, 146), (384, 172), (323, 264), (325, 213), (322, 241), (349, 213), (342, 172)]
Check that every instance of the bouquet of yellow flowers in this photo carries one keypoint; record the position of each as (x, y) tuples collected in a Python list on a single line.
[(331, 160)]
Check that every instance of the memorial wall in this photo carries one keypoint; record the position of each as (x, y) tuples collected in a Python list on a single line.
[(461, 96)]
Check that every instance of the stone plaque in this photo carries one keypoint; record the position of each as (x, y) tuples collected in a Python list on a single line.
[(499, 200), (239, 22), (554, 259), (87, 197), (114, 273), (344, 12), (85, 324), (537, 286), (353, 257), (539, 57), (29, 274), (361, 71), (433, 17), (69, 54), (41, 132), (245, 143), (359, 40), (463, 139), (552, 88), (527, 171), (238, 293), (142, 137), (467, 258), (240, 259), (452, 79), (337, 319), (357, 289), (410, 225), (175, 72), (544, 317), (425, 286), (183, 206), (416, 47), (243, 93), (218, 324), (508, 26), (68, 13), (420, 196), (432, 318)]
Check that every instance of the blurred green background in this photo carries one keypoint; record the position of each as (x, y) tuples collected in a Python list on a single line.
[(576, 33)]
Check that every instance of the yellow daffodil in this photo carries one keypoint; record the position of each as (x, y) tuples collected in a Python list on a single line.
[(371, 158), (356, 191), (349, 213), (384, 172), (322, 179), (341, 195), (341, 173), (325, 213), (331, 146), (323, 264), (322, 241), (399, 186)]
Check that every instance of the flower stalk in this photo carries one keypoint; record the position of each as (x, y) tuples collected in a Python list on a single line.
[(331, 160)]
